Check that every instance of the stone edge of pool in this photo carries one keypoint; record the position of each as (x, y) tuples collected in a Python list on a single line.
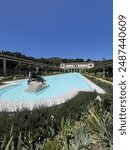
[(94, 86), (11, 106)]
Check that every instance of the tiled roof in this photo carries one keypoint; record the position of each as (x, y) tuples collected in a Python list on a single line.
[(73, 63)]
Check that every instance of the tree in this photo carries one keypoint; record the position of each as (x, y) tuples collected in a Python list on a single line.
[(22, 68), (88, 60)]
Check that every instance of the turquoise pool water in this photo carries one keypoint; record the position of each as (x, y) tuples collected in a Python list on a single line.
[(58, 85)]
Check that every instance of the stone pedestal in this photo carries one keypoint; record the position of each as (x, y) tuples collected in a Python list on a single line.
[(35, 86)]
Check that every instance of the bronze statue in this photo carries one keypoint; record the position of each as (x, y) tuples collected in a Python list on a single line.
[(33, 76)]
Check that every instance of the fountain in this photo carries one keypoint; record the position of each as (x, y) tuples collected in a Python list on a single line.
[(35, 82)]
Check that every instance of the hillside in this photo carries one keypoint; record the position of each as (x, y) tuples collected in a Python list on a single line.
[(55, 61)]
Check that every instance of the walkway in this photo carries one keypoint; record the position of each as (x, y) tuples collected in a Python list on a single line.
[(100, 79)]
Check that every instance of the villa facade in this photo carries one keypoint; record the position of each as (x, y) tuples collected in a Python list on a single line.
[(77, 66)]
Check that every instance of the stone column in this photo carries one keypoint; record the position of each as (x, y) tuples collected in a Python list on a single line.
[(103, 72), (4, 66)]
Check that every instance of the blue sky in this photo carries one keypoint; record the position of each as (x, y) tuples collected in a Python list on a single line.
[(57, 28)]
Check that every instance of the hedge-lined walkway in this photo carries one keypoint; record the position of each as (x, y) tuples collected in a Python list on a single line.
[(100, 79)]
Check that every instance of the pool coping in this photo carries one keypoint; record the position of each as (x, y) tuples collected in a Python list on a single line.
[(8, 83), (94, 86)]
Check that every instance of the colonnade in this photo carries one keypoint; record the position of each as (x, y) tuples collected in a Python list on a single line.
[(20, 62)]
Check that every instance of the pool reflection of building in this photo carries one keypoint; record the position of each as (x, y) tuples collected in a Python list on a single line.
[(77, 66)]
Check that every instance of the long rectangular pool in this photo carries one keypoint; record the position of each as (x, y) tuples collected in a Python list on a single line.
[(61, 86)]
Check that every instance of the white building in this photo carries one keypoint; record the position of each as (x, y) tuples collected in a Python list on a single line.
[(77, 66)]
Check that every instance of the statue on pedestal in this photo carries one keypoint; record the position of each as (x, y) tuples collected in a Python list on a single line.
[(35, 82)]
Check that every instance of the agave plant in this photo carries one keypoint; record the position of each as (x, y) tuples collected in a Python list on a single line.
[(101, 127), (82, 139)]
